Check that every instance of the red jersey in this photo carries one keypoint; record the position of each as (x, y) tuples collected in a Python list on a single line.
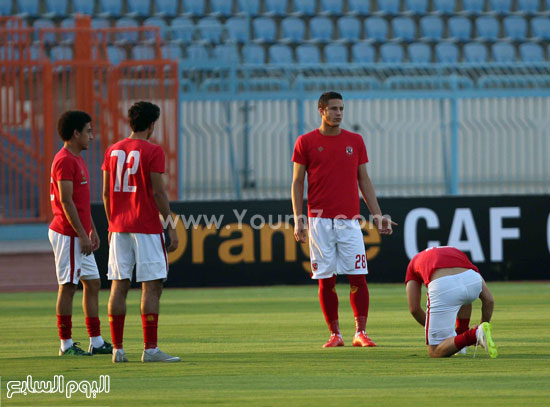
[(423, 265), (130, 163), (68, 167), (331, 164)]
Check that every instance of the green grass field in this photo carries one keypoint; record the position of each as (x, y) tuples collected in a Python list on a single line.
[(262, 347)]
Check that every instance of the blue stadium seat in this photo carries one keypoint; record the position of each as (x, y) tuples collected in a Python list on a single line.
[(419, 53), (67, 23), (349, 29), (444, 6), (131, 36), (5, 8), (416, 6), (475, 52), (221, 8), (515, 28), (8, 54), (331, 7), (156, 22), (293, 30), (142, 52), (99, 23), (183, 30), (376, 29), (540, 28), (197, 53), (56, 8), (264, 29), (83, 7), (27, 8), (280, 54), (226, 53), (431, 28), (391, 53), (47, 37), (193, 8), (111, 8), (472, 6), (304, 7), (237, 29), (210, 29), (275, 8), (139, 8), (362, 53), (531, 52), (503, 52), (359, 7), (248, 7), (336, 54), (528, 6), (308, 54), (61, 53), (460, 28), (253, 54), (446, 53), (500, 6), (487, 28), (320, 29), (115, 54), (166, 8), (171, 51), (390, 7), (403, 28)]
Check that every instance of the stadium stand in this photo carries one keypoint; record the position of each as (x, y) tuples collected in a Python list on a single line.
[(237, 30), (391, 53), (275, 8), (403, 28), (182, 30), (111, 8), (418, 7), (332, 7), (475, 52), (253, 54), (388, 7), (460, 29), (193, 8), (249, 7), (419, 53), (335, 54), (515, 28), (220, 8), (349, 29), (308, 54), (293, 30), (445, 7), (503, 52), (358, 7), (530, 52), (376, 29), (321, 29), (362, 53), (166, 8), (264, 29), (280, 54), (446, 53), (431, 28), (303, 8)]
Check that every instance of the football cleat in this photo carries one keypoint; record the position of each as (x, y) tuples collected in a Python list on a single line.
[(485, 339), (158, 356), (74, 351), (105, 349), (361, 339), (119, 356), (334, 341)]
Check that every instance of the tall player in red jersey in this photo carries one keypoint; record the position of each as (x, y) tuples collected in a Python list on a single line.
[(453, 283), (334, 160), (133, 195), (73, 235)]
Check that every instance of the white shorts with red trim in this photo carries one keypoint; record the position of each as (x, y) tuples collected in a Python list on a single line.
[(336, 246), (146, 251), (445, 297), (71, 266)]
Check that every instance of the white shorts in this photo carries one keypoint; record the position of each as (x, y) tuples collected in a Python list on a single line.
[(445, 297), (146, 251), (71, 266), (336, 246)]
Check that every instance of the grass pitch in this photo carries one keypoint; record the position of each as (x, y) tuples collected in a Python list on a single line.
[(262, 347)]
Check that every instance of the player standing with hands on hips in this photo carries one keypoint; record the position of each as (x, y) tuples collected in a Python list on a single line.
[(133, 195), (335, 162)]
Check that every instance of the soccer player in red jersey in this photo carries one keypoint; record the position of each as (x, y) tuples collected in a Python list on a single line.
[(453, 283), (73, 235), (335, 162), (133, 195)]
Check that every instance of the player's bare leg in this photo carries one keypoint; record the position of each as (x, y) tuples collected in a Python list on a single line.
[(117, 314), (64, 310), (90, 305), (463, 322), (451, 345)]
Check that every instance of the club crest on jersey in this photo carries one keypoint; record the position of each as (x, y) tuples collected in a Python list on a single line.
[(349, 150), (320, 149), (314, 266)]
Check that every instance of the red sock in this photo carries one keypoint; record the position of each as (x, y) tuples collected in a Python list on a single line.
[(93, 326), (117, 329), (466, 338), (64, 325), (329, 302), (150, 324), (462, 325), (359, 299)]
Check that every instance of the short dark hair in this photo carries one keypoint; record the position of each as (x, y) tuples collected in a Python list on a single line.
[(70, 121), (142, 115), (325, 97)]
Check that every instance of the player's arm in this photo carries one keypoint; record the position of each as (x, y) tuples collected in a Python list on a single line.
[(414, 292), (366, 187), (163, 204), (297, 193), (94, 236), (487, 303), (107, 200), (66, 199)]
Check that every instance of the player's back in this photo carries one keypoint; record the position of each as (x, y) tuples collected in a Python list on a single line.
[(130, 163)]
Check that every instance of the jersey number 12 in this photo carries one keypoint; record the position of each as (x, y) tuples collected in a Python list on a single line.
[(121, 160)]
